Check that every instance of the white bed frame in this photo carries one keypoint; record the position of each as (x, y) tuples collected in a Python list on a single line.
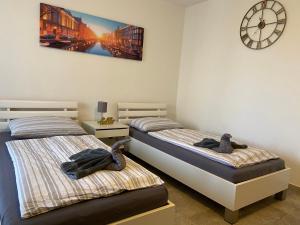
[(13, 109), (232, 196)]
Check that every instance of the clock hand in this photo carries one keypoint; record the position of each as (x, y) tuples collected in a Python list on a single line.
[(260, 33), (264, 6), (271, 23), (252, 27), (262, 15)]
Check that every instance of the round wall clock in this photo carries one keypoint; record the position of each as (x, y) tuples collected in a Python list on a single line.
[(263, 24)]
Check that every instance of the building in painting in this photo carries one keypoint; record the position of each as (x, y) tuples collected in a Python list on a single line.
[(127, 41), (131, 37), (85, 33), (62, 24)]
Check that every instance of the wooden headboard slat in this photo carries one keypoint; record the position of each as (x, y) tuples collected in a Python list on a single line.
[(23, 104), (22, 114), (140, 106), (130, 111), (13, 109)]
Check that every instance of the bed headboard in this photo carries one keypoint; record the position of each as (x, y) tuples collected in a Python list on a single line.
[(13, 109), (130, 111)]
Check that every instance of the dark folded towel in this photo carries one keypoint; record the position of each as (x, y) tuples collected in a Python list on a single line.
[(91, 160), (119, 161), (224, 146)]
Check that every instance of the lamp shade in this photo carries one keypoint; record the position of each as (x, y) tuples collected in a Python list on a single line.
[(102, 107)]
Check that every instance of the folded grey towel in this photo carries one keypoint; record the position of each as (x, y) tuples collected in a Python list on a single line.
[(119, 161), (90, 161), (224, 146)]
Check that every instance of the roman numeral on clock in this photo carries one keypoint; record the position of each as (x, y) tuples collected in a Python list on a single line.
[(280, 11), (277, 32), (282, 21), (247, 18), (269, 41), (250, 43), (245, 37), (258, 45), (243, 28), (254, 9)]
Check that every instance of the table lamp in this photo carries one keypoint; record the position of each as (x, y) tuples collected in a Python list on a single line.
[(102, 108)]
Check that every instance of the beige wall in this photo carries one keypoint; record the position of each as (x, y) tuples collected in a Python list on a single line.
[(226, 87), (28, 71)]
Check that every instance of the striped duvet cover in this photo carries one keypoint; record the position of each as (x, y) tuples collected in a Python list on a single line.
[(186, 138), (43, 187)]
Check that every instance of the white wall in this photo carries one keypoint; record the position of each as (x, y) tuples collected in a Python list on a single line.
[(28, 71), (226, 87)]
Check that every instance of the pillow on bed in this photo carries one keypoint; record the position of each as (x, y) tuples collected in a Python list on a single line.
[(44, 126), (154, 124)]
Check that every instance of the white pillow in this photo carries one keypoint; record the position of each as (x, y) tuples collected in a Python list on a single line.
[(44, 126), (154, 124)]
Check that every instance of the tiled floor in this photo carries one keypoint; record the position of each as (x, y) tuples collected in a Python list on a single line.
[(193, 208)]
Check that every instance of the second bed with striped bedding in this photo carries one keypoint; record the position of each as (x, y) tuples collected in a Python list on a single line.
[(186, 138), (42, 186)]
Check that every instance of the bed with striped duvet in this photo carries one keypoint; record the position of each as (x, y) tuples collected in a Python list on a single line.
[(43, 187), (186, 139)]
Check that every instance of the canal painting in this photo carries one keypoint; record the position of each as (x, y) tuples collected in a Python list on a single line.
[(74, 31)]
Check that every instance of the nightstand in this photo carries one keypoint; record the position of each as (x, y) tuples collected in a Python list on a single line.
[(114, 130)]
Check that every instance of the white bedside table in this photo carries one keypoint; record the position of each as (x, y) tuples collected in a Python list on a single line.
[(114, 130)]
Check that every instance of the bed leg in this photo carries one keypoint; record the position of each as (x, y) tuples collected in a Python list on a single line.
[(281, 195), (231, 216)]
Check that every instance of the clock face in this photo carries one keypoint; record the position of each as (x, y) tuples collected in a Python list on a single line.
[(263, 24)]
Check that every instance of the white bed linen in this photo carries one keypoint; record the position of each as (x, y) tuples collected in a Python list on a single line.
[(42, 186)]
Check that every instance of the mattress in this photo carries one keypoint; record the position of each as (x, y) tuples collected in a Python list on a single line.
[(234, 175), (186, 138), (97, 211)]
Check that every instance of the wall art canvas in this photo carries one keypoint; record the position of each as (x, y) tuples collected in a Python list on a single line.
[(69, 30)]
